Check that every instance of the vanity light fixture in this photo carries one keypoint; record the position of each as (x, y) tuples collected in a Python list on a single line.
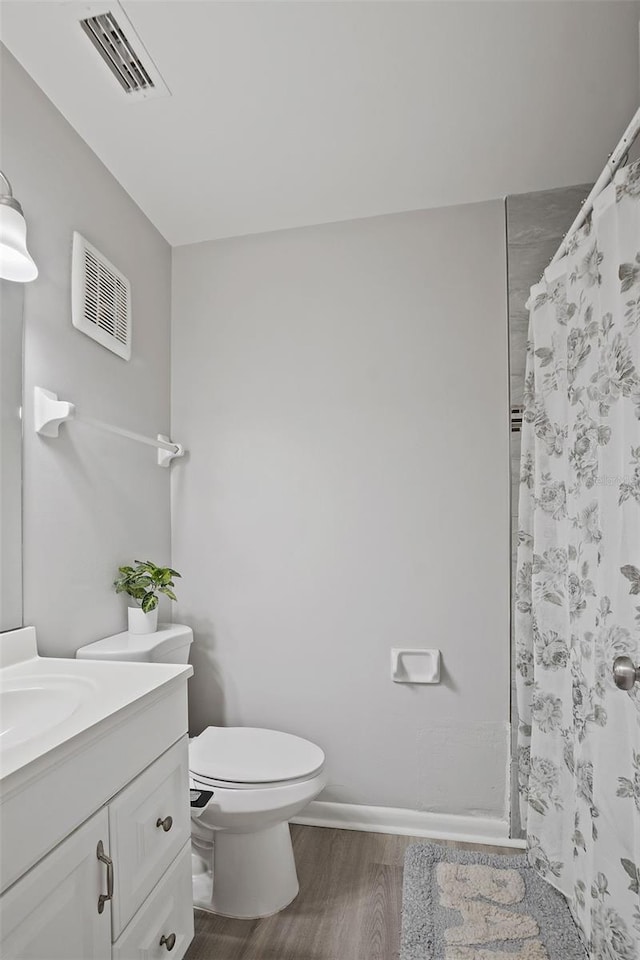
[(15, 260)]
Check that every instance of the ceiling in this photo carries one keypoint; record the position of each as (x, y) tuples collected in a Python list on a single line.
[(295, 113)]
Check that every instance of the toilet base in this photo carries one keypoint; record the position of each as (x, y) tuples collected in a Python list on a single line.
[(254, 874)]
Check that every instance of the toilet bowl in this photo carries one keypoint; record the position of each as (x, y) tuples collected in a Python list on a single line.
[(243, 864), (243, 857)]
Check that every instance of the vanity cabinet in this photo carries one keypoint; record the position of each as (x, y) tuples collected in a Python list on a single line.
[(72, 905)]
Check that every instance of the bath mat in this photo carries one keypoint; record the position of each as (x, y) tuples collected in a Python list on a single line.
[(477, 906)]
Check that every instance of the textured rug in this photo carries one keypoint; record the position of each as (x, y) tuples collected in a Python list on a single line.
[(475, 906)]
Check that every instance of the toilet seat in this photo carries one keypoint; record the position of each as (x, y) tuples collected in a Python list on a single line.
[(252, 758), (199, 782)]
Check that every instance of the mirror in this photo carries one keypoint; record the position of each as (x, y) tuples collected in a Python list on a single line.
[(11, 302)]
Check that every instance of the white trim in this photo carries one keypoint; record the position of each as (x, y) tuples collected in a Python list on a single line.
[(413, 823)]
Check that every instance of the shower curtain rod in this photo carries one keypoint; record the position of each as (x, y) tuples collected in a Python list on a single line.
[(614, 161)]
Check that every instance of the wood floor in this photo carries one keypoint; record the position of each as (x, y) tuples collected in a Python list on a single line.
[(348, 907)]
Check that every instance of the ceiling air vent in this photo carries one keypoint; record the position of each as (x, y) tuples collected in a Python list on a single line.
[(113, 36), (100, 299)]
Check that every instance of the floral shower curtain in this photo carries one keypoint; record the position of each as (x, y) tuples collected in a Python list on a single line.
[(577, 598)]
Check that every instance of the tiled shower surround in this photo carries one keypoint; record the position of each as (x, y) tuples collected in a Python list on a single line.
[(536, 223)]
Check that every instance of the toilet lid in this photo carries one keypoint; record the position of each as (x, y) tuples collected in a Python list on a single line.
[(252, 755)]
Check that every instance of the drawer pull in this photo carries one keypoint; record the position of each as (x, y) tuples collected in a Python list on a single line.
[(168, 942), (166, 825), (103, 858)]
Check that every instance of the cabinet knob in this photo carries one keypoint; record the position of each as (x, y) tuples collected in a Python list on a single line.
[(168, 942), (166, 825)]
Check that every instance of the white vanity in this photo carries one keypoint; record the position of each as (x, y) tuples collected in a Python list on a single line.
[(94, 807)]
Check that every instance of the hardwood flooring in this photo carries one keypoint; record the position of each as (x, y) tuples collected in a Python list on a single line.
[(348, 908)]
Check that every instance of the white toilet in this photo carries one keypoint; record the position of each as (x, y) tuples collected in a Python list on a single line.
[(260, 779)]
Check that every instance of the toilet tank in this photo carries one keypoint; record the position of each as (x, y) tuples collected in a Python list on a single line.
[(169, 644)]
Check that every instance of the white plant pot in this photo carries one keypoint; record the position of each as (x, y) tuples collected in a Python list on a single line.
[(141, 622)]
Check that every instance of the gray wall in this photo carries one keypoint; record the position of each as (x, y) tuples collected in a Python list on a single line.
[(90, 501), (343, 393)]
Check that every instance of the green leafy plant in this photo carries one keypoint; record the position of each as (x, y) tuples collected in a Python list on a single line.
[(144, 582)]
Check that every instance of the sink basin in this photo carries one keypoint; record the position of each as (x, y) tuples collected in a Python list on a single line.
[(30, 708)]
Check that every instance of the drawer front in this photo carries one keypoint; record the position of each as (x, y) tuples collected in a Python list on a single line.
[(166, 915), (141, 845)]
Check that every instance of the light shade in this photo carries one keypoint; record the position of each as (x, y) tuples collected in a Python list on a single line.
[(15, 259)]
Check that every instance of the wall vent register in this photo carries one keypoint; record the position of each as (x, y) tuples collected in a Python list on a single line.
[(112, 34), (100, 298)]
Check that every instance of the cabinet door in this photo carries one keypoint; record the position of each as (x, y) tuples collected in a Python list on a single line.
[(52, 912), (149, 823)]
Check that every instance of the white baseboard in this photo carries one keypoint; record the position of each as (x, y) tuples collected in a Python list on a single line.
[(413, 823)]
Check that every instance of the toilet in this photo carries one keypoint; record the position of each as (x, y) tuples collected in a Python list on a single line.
[(243, 864)]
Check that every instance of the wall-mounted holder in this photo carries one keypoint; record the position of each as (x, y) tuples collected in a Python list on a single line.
[(49, 413), (165, 453), (415, 666)]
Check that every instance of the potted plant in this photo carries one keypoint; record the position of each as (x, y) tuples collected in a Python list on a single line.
[(143, 583)]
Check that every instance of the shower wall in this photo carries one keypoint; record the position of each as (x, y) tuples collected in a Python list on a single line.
[(536, 223)]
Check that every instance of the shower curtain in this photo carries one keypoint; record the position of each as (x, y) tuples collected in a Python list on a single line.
[(577, 597)]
